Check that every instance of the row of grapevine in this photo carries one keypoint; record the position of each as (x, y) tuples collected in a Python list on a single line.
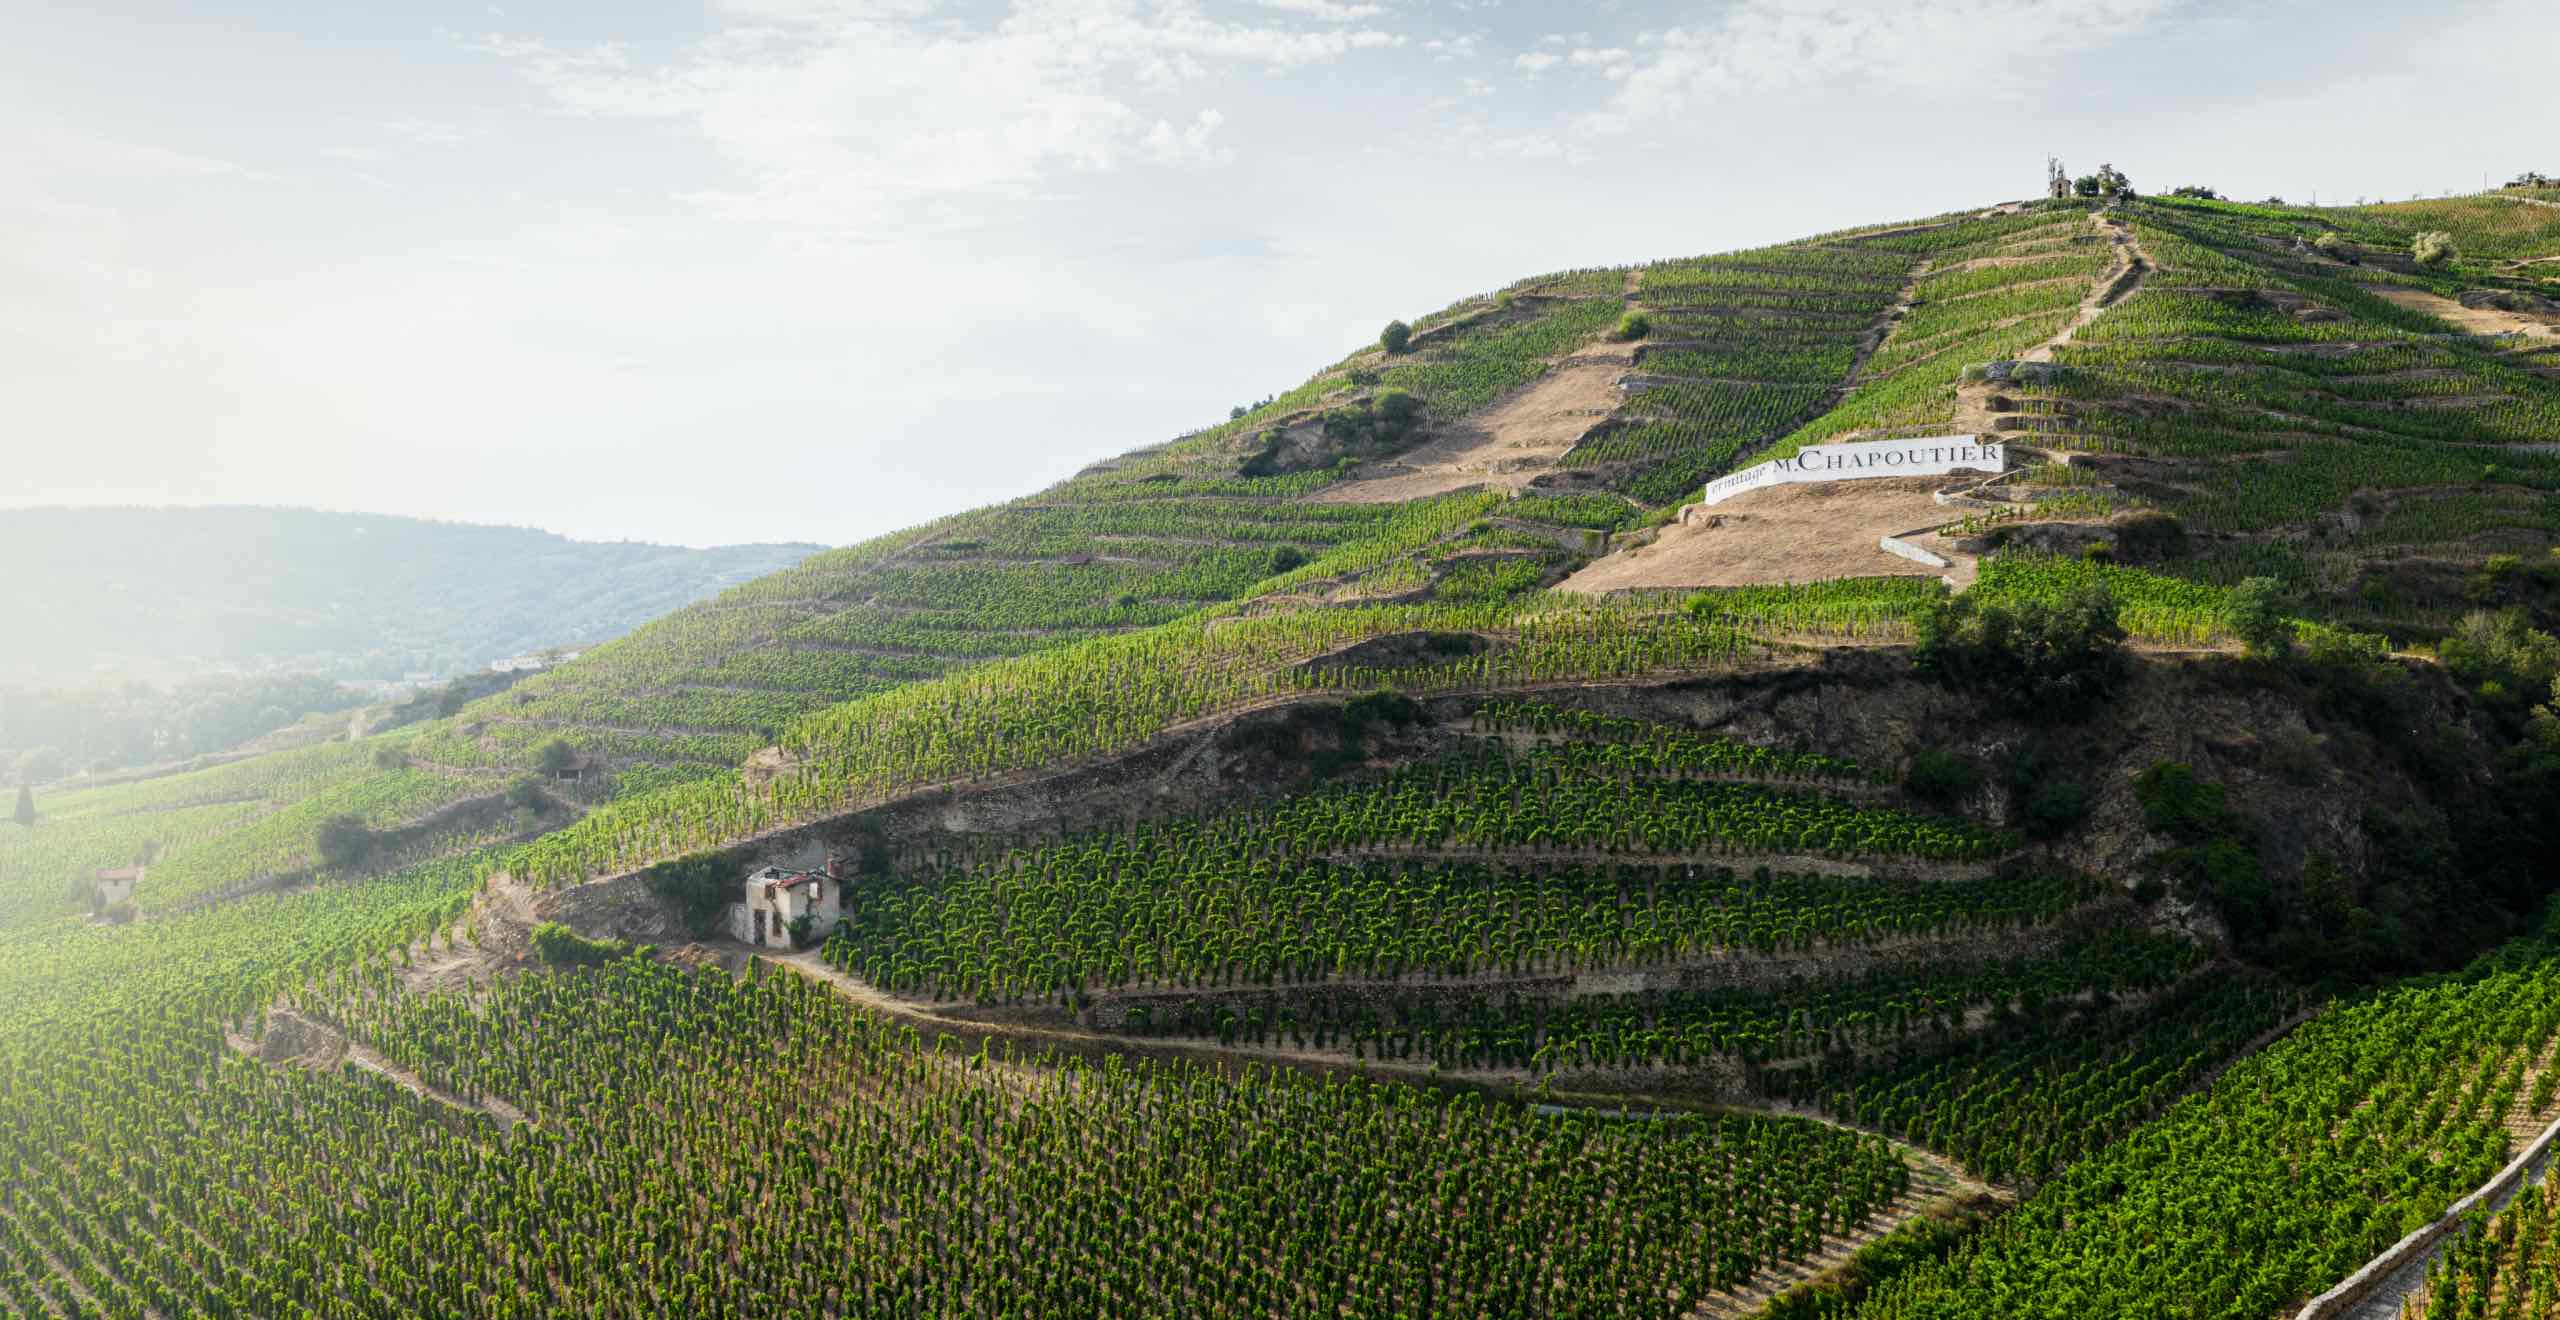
[(1929, 1002), (2300, 1162)]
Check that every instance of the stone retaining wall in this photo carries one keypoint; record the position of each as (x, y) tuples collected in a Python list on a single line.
[(2342, 1301)]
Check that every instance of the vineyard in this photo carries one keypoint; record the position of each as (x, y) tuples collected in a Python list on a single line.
[(1258, 905), (888, 1174), (2503, 1269), (211, 830), (2298, 1164), (2254, 386), (1636, 835), (1742, 347)]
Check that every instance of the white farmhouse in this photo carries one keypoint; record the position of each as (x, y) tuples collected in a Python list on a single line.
[(775, 900)]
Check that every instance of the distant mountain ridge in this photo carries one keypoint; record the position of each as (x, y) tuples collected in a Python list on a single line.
[(173, 591)]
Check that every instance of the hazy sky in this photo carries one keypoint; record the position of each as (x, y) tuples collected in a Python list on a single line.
[(814, 269)]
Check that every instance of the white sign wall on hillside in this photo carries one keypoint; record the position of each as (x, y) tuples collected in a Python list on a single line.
[(1930, 456)]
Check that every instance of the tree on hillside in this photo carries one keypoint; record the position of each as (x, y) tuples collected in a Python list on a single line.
[(342, 840), (38, 765), (1396, 337), (2047, 659), (2107, 182), (2197, 191), (2256, 617), (556, 755), (26, 805), (2432, 247)]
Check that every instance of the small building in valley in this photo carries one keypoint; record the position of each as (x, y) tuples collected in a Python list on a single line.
[(779, 908), (115, 887)]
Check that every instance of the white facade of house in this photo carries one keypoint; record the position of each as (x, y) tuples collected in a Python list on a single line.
[(773, 899)]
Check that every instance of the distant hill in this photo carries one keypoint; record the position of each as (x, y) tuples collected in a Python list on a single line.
[(175, 592)]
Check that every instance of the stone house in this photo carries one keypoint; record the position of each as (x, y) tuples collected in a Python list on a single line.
[(773, 902), (116, 886)]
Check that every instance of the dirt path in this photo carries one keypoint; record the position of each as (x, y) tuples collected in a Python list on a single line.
[(365, 1057), (293, 1038), (1505, 446), (2130, 267), (2476, 320)]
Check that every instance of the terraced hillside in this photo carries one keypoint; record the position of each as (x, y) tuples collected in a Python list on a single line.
[(1291, 869)]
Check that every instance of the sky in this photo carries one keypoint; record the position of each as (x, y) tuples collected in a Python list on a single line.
[(715, 271)]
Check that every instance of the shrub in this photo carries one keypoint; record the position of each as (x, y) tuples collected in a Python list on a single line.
[(2038, 658), (1633, 325), (389, 757), (2216, 856), (697, 889), (2256, 616), (2432, 247), (2335, 247), (2149, 536), (2178, 804), (555, 756), (1396, 338), (1287, 557), (2053, 808), (1386, 707), (562, 947), (342, 840), (2503, 658), (2046, 796), (526, 794), (1942, 777)]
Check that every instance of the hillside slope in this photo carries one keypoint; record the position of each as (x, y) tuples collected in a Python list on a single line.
[(1267, 892)]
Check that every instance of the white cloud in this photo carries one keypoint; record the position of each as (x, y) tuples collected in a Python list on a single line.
[(1167, 145), (1330, 11), (429, 132), (850, 114), (1537, 61), (1771, 45), (1446, 49), (34, 146), (1530, 146)]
